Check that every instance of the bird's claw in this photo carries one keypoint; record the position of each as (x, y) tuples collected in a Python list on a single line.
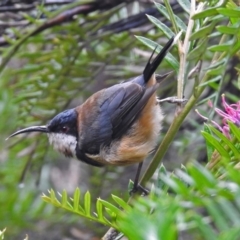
[(139, 188)]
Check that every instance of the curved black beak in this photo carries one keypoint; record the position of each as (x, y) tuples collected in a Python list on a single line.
[(43, 129)]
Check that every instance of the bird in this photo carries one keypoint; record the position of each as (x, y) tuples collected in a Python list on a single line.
[(118, 125)]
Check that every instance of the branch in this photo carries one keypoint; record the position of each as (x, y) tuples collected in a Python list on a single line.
[(17, 8), (60, 18), (14, 24), (28, 7), (183, 52), (66, 15)]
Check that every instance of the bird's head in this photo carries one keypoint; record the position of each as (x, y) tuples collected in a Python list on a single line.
[(62, 132)]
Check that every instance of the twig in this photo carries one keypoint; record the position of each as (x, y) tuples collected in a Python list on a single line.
[(184, 51), (17, 8), (14, 24), (62, 17), (58, 18), (28, 7), (58, 2)]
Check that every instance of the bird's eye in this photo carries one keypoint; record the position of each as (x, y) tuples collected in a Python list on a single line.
[(64, 129)]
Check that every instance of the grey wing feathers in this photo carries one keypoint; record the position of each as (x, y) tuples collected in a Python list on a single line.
[(134, 99), (133, 112), (113, 110), (132, 94)]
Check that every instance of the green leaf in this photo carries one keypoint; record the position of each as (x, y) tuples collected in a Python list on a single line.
[(46, 198), (111, 207), (205, 13), (121, 203), (162, 171), (216, 71), (76, 199), (202, 32), (235, 130), (226, 141), (210, 148), (171, 15), (232, 30), (214, 142), (204, 227), (76, 208), (64, 198), (29, 68), (28, 95), (183, 188), (212, 80), (29, 18), (87, 203), (217, 215), (52, 195), (166, 30), (202, 177), (199, 50), (232, 233), (229, 211), (99, 208), (110, 213), (185, 4), (232, 13), (170, 182), (236, 48), (169, 57), (51, 199), (221, 48), (217, 64), (185, 177), (181, 25)]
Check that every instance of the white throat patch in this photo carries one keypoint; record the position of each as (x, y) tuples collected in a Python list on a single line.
[(63, 143)]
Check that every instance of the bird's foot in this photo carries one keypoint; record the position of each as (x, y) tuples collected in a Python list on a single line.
[(139, 188)]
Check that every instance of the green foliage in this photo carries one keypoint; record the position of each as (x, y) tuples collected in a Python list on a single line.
[(202, 202), (103, 208), (221, 149), (168, 13), (196, 203)]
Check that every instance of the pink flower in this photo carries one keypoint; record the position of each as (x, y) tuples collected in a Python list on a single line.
[(230, 113)]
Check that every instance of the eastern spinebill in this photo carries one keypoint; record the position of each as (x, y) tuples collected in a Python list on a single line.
[(117, 126)]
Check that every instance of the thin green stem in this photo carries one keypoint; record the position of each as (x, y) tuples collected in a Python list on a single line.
[(171, 15), (172, 131)]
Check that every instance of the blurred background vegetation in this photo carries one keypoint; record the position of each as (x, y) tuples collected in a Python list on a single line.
[(54, 54)]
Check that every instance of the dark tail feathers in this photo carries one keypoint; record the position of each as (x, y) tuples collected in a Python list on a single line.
[(151, 67)]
